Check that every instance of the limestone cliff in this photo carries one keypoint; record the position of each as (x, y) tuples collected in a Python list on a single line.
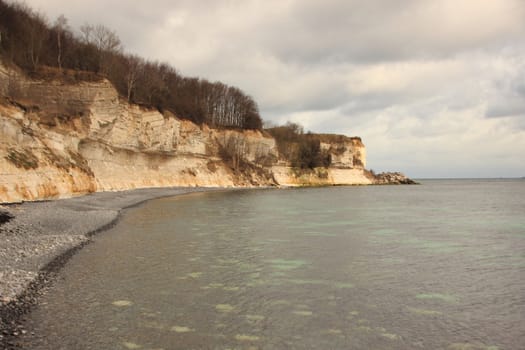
[(59, 139), (348, 161)]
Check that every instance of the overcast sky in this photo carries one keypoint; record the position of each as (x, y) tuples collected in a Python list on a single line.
[(436, 88)]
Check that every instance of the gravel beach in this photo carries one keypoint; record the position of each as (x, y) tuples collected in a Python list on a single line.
[(37, 238)]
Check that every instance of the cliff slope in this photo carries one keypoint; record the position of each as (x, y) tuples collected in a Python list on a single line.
[(59, 139)]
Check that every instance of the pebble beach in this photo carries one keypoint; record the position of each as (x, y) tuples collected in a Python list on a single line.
[(37, 239)]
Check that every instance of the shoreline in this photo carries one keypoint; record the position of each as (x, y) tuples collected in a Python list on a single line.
[(41, 237)]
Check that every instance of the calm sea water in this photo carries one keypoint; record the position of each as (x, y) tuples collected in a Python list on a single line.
[(436, 266)]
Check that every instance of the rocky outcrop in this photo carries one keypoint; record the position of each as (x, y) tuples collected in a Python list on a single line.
[(345, 152), (60, 139), (393, 178), (293, 177), (5, 217)]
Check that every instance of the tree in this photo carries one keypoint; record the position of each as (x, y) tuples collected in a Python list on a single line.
[(38, 33), (104, 40), (60, 27), (234, 150), (151, 85), (300, 149), (135, 68)]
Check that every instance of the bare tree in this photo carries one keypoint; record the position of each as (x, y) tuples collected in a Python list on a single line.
[(153, 80), (135, 68), (234, 149), (105, 40), (38, 33), (86, 33), (60, 27)]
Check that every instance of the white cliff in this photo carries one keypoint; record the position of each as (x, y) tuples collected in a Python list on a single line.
[(60, 139)]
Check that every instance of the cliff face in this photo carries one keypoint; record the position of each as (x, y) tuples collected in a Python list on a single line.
[(348, 161), (59, 139)]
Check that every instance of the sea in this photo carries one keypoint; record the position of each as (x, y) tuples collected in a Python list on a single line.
[(440, 265)]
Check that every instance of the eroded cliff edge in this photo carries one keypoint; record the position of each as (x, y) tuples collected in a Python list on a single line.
[(59, 139)]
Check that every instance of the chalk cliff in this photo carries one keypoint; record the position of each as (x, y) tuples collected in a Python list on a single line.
[(59, 139), (348, 162)]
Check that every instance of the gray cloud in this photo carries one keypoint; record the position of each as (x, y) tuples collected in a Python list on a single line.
[(508, 96), (378, 31), (434, 87)]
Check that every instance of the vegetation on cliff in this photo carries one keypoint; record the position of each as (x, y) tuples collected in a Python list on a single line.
[(36, 55), (55, 51), (302, 150)]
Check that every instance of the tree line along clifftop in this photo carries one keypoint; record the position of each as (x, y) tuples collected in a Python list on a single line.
[(54, 51)]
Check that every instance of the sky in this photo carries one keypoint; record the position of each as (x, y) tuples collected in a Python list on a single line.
[(435, 88)]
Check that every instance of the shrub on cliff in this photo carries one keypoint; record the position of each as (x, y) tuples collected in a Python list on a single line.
[(301, 150), (309, 154)]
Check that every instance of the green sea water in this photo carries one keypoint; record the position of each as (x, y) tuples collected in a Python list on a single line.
[(435, 266)]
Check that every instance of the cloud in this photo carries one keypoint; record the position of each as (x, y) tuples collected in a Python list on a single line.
[(434, 87), (507, 90), (445, 144), (378, 31)]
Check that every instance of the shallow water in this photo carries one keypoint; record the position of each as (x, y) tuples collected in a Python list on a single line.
[(436, 266)]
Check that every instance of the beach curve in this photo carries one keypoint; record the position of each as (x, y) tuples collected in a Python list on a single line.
[(40, 237)]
